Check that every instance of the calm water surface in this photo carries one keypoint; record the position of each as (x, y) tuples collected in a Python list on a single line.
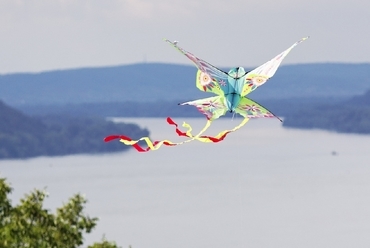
[(264, 186)]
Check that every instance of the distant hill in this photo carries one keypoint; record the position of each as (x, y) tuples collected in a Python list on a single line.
[(351, 116), (280, 107), (22, 136), (149, 82), (296, 92), (361, 100)]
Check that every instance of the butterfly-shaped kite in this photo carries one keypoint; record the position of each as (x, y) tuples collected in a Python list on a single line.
[(230, 88)]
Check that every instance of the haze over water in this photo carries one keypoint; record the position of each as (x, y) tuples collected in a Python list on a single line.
[(263, 186)]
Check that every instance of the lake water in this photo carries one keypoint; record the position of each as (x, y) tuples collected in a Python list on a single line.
[(263, 186)]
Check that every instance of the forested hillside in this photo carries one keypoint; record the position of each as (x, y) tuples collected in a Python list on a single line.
[(351, 116), (22, 136)]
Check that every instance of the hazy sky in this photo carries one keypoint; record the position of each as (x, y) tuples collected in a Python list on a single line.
[(39, 35)]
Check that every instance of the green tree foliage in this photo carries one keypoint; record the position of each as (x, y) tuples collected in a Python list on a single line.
[(104, 244), (29, 224)]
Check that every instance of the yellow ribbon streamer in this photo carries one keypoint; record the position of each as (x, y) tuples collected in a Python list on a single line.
[(206, 139)]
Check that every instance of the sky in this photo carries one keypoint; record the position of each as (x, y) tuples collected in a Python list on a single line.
[(43, 35)]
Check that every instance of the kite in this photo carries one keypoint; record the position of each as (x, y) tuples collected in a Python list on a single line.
[(230, 89)]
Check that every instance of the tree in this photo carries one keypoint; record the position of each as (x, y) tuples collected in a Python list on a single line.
[(104, 244), (29, 224)]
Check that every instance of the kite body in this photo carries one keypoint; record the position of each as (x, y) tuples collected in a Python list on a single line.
[(232, 86), (230, 89)]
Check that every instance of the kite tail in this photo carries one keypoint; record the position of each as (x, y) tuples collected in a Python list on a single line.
[(188, 131), (134, 143), (155, 145), (219, 137)]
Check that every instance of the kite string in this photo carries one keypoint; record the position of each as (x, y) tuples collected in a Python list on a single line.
[(240, 180)]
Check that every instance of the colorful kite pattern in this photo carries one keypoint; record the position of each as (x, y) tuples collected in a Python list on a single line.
[(230, 89)]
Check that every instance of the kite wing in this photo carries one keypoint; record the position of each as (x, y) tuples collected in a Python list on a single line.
[(250, 109), (261, 74), (209, 77), (211, 107)]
